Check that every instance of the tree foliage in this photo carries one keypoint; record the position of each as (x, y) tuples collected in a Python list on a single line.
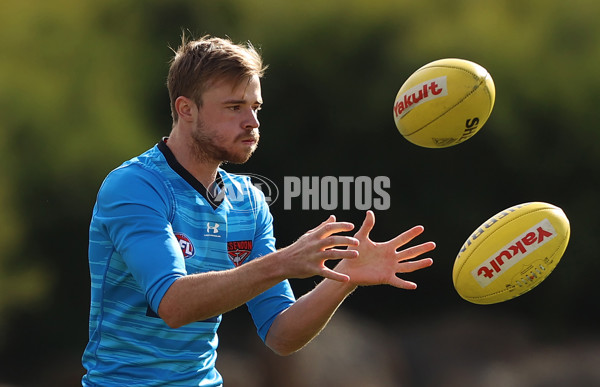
[(82, 89)]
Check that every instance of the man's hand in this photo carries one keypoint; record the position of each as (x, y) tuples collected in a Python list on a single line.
[(306, 257), (378, 263)]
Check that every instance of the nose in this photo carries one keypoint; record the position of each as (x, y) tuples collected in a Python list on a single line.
[(251, 122)]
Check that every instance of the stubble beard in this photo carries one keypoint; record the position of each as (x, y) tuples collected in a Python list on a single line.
[(206, 148)]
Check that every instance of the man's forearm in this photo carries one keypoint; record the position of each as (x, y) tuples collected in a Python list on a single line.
[(305, 319)]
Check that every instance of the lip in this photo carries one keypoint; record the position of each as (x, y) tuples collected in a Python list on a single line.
[(249, 141)]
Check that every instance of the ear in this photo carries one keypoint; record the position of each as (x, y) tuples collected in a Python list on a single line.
[(186, 109)]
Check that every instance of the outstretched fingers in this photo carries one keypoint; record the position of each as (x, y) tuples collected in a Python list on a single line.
[(403, 284), (330, 227), (321, 244), (326, 235), (406, 236), (336, 254), (408, 267), (331, 219), (414, 251)]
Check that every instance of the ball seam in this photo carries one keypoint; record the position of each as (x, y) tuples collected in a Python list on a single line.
[(459, 271), (481, 81)]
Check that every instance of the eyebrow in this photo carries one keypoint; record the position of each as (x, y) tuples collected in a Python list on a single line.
[(240, 102)]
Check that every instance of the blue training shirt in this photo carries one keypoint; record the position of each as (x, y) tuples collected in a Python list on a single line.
[(152, 223)]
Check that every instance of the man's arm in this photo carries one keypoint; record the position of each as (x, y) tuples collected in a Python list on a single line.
[(378, 263), (300, 323), (200, 296)]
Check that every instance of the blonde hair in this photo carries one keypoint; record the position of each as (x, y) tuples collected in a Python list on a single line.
[(199, 63)]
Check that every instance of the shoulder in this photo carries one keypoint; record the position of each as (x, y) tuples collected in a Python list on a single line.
[(140, 178), (131, 176)]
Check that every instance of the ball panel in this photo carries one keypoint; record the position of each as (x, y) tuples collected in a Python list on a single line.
[(477, 70), (495, 225), (444, 103), (457, 124), (511, 253), (429, 93)]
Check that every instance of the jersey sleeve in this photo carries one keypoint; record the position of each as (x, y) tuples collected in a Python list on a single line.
[(135, 206), (265, 307)]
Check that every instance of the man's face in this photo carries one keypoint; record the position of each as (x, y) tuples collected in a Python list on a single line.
[(227, 127)]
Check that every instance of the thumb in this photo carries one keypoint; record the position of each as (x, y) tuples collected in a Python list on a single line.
[(367, 226), (334, 275)]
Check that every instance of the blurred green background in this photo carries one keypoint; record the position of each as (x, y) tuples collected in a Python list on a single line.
[(82, 88)]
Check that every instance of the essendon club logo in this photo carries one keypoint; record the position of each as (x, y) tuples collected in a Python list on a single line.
[(187, 248), (238, 251)]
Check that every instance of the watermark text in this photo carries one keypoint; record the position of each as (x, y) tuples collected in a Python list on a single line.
[(336, 192)]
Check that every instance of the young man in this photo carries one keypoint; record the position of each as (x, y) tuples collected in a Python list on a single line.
[(175, 241)]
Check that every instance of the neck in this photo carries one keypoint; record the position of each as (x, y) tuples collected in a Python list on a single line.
[(205, 171)]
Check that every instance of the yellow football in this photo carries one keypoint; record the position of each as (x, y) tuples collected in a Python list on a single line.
[(511, 253), (444, 103)]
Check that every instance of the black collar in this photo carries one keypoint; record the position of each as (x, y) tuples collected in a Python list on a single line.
[(212, 196)]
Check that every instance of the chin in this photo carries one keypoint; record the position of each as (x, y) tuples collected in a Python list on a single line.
[(239, 159)]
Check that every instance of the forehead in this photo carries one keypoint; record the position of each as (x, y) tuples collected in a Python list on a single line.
[(247, 90)]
